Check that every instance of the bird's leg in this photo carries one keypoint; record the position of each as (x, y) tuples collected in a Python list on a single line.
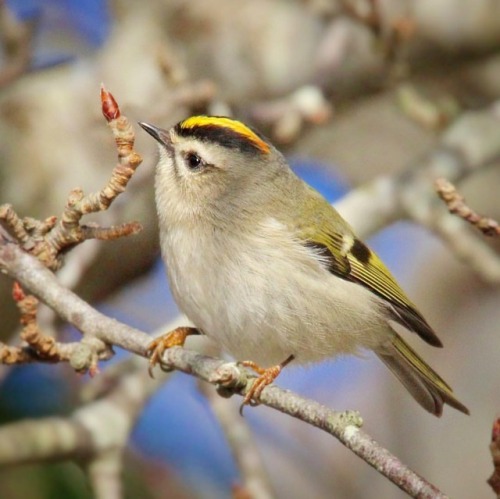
[(266, 377), (175, 338)]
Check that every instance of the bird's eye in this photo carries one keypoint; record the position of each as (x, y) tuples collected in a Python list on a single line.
[(193, 161)]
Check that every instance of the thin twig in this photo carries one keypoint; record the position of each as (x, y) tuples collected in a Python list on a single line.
[(83, 356), (33, 275), (494, 480), (457, 205), (68, 231), (45, 346), (10, 355), (49, 239)]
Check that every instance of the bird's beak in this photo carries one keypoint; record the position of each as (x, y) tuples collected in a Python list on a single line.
[(159, 134)]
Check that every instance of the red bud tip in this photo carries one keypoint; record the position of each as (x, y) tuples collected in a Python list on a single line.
[(17, 292), (110, 108), (495, 434)]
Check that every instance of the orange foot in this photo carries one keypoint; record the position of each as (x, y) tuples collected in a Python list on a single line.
[(175, 338), (266, 377)]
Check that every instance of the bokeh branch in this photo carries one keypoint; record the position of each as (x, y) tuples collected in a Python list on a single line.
[(457, 205), (255, 480), (99, 446), (494, 480), (467, 147), (16, 39)]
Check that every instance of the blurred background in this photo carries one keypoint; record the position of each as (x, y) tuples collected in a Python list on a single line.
[(350, 91)]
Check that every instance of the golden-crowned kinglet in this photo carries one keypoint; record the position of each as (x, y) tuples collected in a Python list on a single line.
[(261, 262)]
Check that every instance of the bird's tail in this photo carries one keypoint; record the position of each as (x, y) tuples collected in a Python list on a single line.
[(425, 385)]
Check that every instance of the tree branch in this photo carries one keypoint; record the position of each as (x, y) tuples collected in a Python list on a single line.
[(494, 480), (255, 480), (16, 38), (50, 239), (457, 205), (408, 195), (96, 434), (471, 144), (31, 273)]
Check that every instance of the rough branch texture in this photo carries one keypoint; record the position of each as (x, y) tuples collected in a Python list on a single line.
[(457, 205), (408, 195), (313, 58), (51, 238), (343, 425)]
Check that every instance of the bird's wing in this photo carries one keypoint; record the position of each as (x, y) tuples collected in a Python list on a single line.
[(349, 258)]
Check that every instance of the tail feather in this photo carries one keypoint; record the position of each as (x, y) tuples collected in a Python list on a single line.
[(425, 385)]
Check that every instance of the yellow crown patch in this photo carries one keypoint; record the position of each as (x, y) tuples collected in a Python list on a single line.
[(223, 123)]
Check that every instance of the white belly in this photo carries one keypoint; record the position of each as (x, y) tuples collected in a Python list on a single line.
[(266, 303)]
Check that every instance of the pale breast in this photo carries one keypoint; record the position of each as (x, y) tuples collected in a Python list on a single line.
[(264, 296)]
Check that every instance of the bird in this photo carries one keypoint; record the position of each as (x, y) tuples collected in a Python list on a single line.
[(262, 264)]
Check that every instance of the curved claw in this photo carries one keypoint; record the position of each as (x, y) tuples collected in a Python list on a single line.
[(266, 377), (157, 347)]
